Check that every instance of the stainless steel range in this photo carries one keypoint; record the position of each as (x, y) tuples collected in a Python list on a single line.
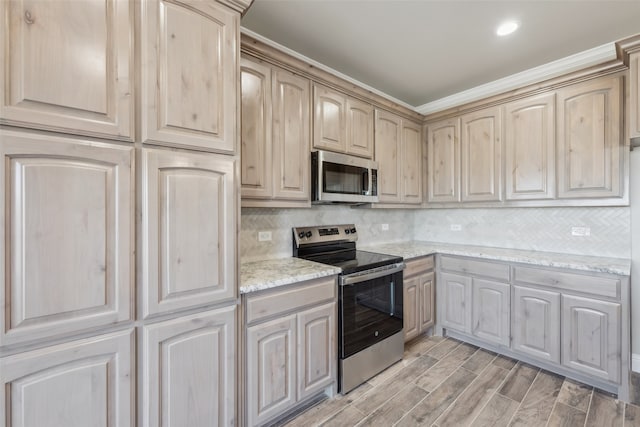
[(370, 336)]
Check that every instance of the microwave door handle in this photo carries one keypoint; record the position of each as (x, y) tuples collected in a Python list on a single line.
[(366, 180)]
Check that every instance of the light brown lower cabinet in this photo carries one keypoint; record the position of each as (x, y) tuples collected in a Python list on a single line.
[(290, 348), (536, 316), (592, 336), (88, 382), (188, 370), (571, 322), (418, 299)]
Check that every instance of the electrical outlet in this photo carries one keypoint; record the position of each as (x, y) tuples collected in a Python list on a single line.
[(264, 236), (385, 227), (456, 227), (581, 231)]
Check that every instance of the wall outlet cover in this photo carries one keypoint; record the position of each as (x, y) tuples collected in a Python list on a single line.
[(456, 227), (264, 236), (581, 231), (385, 227)]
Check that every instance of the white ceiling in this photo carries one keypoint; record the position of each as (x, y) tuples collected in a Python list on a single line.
[(419, 52)]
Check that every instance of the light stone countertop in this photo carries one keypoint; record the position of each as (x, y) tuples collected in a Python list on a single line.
[(266, 274), (259, 275), (414, 249)]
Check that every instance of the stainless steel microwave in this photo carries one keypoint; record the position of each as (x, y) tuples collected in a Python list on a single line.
[(341, 178)]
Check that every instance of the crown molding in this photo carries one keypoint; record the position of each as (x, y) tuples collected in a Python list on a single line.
[(238, 5), (323, 67), (576, 62)]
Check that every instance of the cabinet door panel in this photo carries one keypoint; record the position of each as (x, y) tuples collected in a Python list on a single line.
[(481, 150), (456, 297), (189, 370), (426, 301), (291, 137), (591, 331), (68, 235), (77, 384), (271, 372), (411, 308), (536, 323), (443, 157), (387, 151), (188, 230), (330, 117), (411, 166), (317, 351), (530, 148), (359, 128), (256, 148), (589, 139), (190, 55), (634, 97), (68, 68), (490, 317)]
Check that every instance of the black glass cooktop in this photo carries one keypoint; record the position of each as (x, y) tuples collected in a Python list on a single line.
[(354, 261), (366, 260)]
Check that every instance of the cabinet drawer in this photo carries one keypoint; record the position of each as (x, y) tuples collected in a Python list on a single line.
[(290, 298), (418, 265), (602, 286), (480, 268)]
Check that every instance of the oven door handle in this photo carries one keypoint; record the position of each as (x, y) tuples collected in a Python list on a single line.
[(357, 278)]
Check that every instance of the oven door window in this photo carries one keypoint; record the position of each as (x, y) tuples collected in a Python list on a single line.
[(344, 179), (370, 311)]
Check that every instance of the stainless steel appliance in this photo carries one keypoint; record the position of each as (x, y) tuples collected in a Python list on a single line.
[(340, 178), (370, 335)]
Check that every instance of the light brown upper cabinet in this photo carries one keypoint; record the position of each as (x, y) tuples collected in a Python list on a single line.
[(443, 161), (189, 55), (188, 224), (634, 95), (68, 233), (481, 155), (330, 119), (590, 144), (67, 68), (341, 123), (276, 137), (398, 151), (291, 136), (530, 148), (255, 148), (359, 128)]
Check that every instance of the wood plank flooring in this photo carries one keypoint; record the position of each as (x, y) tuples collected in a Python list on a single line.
[(443, 382)]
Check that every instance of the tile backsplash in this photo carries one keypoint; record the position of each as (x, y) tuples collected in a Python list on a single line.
[(279, 222), (540, 229), (543, 229)]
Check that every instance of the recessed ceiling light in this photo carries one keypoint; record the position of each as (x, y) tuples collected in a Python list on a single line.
[(507, 27)]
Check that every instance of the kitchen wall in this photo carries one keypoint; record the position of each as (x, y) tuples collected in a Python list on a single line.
[(612, 231), (279, 222), (541, 229)]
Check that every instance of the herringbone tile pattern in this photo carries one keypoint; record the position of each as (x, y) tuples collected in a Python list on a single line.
[(538, 229), (541, 229)]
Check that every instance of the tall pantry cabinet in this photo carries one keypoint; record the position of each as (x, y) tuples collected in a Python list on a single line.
[(118, 288)]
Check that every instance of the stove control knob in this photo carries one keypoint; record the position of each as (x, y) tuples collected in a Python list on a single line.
[(301, 234), (353, 230), (347, 231), (308, 234)]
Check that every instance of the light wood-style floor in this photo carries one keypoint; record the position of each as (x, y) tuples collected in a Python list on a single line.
[(444, 382)]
